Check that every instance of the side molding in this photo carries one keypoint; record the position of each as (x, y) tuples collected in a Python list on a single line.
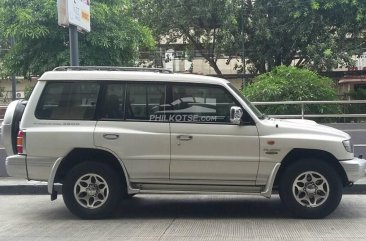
[(52, 176), (267, 192)]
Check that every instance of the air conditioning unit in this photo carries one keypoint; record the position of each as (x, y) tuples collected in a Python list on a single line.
[(19, 94), (179, 54)]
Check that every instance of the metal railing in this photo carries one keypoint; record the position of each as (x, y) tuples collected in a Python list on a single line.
[(302, 104)]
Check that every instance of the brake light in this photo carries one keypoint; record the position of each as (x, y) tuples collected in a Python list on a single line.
[(20, 142)]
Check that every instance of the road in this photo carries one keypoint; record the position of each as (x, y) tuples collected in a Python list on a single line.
[(358, 134), (178, 217)]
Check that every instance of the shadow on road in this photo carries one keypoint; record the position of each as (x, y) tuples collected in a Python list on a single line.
[(201, 206), (205, 207)]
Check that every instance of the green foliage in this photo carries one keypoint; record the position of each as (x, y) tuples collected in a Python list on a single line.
[(28, 91), (358, 94), (292, 84), (203, 25), (41, 44), (317, 34)]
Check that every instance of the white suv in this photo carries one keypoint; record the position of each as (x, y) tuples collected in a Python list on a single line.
[(106, 133)]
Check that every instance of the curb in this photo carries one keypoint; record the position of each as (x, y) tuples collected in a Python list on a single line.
[(27, 189), (23, 190), (355, 189), (42, 189)]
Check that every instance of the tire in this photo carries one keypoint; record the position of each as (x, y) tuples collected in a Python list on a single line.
[(310, 188), (17, 116), (93, 190)]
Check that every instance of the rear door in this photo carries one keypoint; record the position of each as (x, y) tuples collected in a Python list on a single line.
[(125, 128)]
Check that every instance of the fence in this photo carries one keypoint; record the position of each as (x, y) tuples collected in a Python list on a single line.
[(302, 104)]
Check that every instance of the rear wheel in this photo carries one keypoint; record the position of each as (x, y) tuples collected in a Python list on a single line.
[(92, 190), (310, 188)]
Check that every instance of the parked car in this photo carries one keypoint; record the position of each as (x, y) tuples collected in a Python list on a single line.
[(106, 133)]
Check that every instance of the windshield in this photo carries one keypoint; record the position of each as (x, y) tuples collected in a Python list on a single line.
[(257, 112)]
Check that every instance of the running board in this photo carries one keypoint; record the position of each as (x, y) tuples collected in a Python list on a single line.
[(159, 188)]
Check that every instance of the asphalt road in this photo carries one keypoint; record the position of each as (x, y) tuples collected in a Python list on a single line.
[(358, 134), (177, 217)]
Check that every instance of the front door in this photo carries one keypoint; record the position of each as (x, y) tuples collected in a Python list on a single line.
[(204, 144)]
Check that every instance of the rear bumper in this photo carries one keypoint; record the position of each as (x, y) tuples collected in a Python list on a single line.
[(16, 166), (355, 168)]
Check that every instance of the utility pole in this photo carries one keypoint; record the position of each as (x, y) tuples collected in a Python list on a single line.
[(243, 45), (13, 79), (74, 45), (74, 14)]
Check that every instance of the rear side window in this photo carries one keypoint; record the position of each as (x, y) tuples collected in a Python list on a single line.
[(144, 101), (113, 106), (68, 101)]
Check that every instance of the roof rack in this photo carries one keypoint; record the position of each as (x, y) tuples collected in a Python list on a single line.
[(112, 68)]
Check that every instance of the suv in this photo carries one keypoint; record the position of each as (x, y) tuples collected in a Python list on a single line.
[(106, 133)]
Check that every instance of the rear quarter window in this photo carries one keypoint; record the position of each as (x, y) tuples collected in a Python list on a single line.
[(68, 101)]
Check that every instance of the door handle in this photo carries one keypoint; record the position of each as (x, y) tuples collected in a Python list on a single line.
[(184, 137), (110, 136)]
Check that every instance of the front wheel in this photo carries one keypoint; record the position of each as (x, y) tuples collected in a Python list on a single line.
[(92, 190), (310, 188)]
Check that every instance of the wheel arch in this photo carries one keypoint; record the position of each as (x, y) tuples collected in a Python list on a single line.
[(299, 153), (79, 155)]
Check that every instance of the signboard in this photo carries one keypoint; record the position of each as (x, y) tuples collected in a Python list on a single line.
[(75, 12)]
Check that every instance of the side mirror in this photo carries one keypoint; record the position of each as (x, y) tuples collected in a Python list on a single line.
[(236, 114)]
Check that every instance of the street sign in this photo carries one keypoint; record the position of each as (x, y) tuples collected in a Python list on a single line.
[(74, 12)]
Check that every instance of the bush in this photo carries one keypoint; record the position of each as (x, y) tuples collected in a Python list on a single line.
[(28, 91), (292, 84), (358, 94)]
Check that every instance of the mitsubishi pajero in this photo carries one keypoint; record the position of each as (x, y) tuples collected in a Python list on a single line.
[(106, 133)]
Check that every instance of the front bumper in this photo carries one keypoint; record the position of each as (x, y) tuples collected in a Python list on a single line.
[(354, 168), (16, 166)]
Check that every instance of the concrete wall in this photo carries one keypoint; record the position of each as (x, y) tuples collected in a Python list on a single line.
[(201, 66), (21, 85)]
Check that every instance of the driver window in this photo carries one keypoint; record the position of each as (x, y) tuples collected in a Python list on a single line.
[(200, 103)]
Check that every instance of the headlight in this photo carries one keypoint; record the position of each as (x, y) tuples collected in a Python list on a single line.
[(348, 146)]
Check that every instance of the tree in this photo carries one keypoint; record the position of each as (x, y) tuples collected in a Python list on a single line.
[(42, 45), (203, 24), (318, 34), (292, 84)]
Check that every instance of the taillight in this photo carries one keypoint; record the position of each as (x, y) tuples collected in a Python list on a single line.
[(20, 142)]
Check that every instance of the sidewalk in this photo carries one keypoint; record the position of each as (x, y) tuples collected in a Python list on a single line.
[(13, 186)]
